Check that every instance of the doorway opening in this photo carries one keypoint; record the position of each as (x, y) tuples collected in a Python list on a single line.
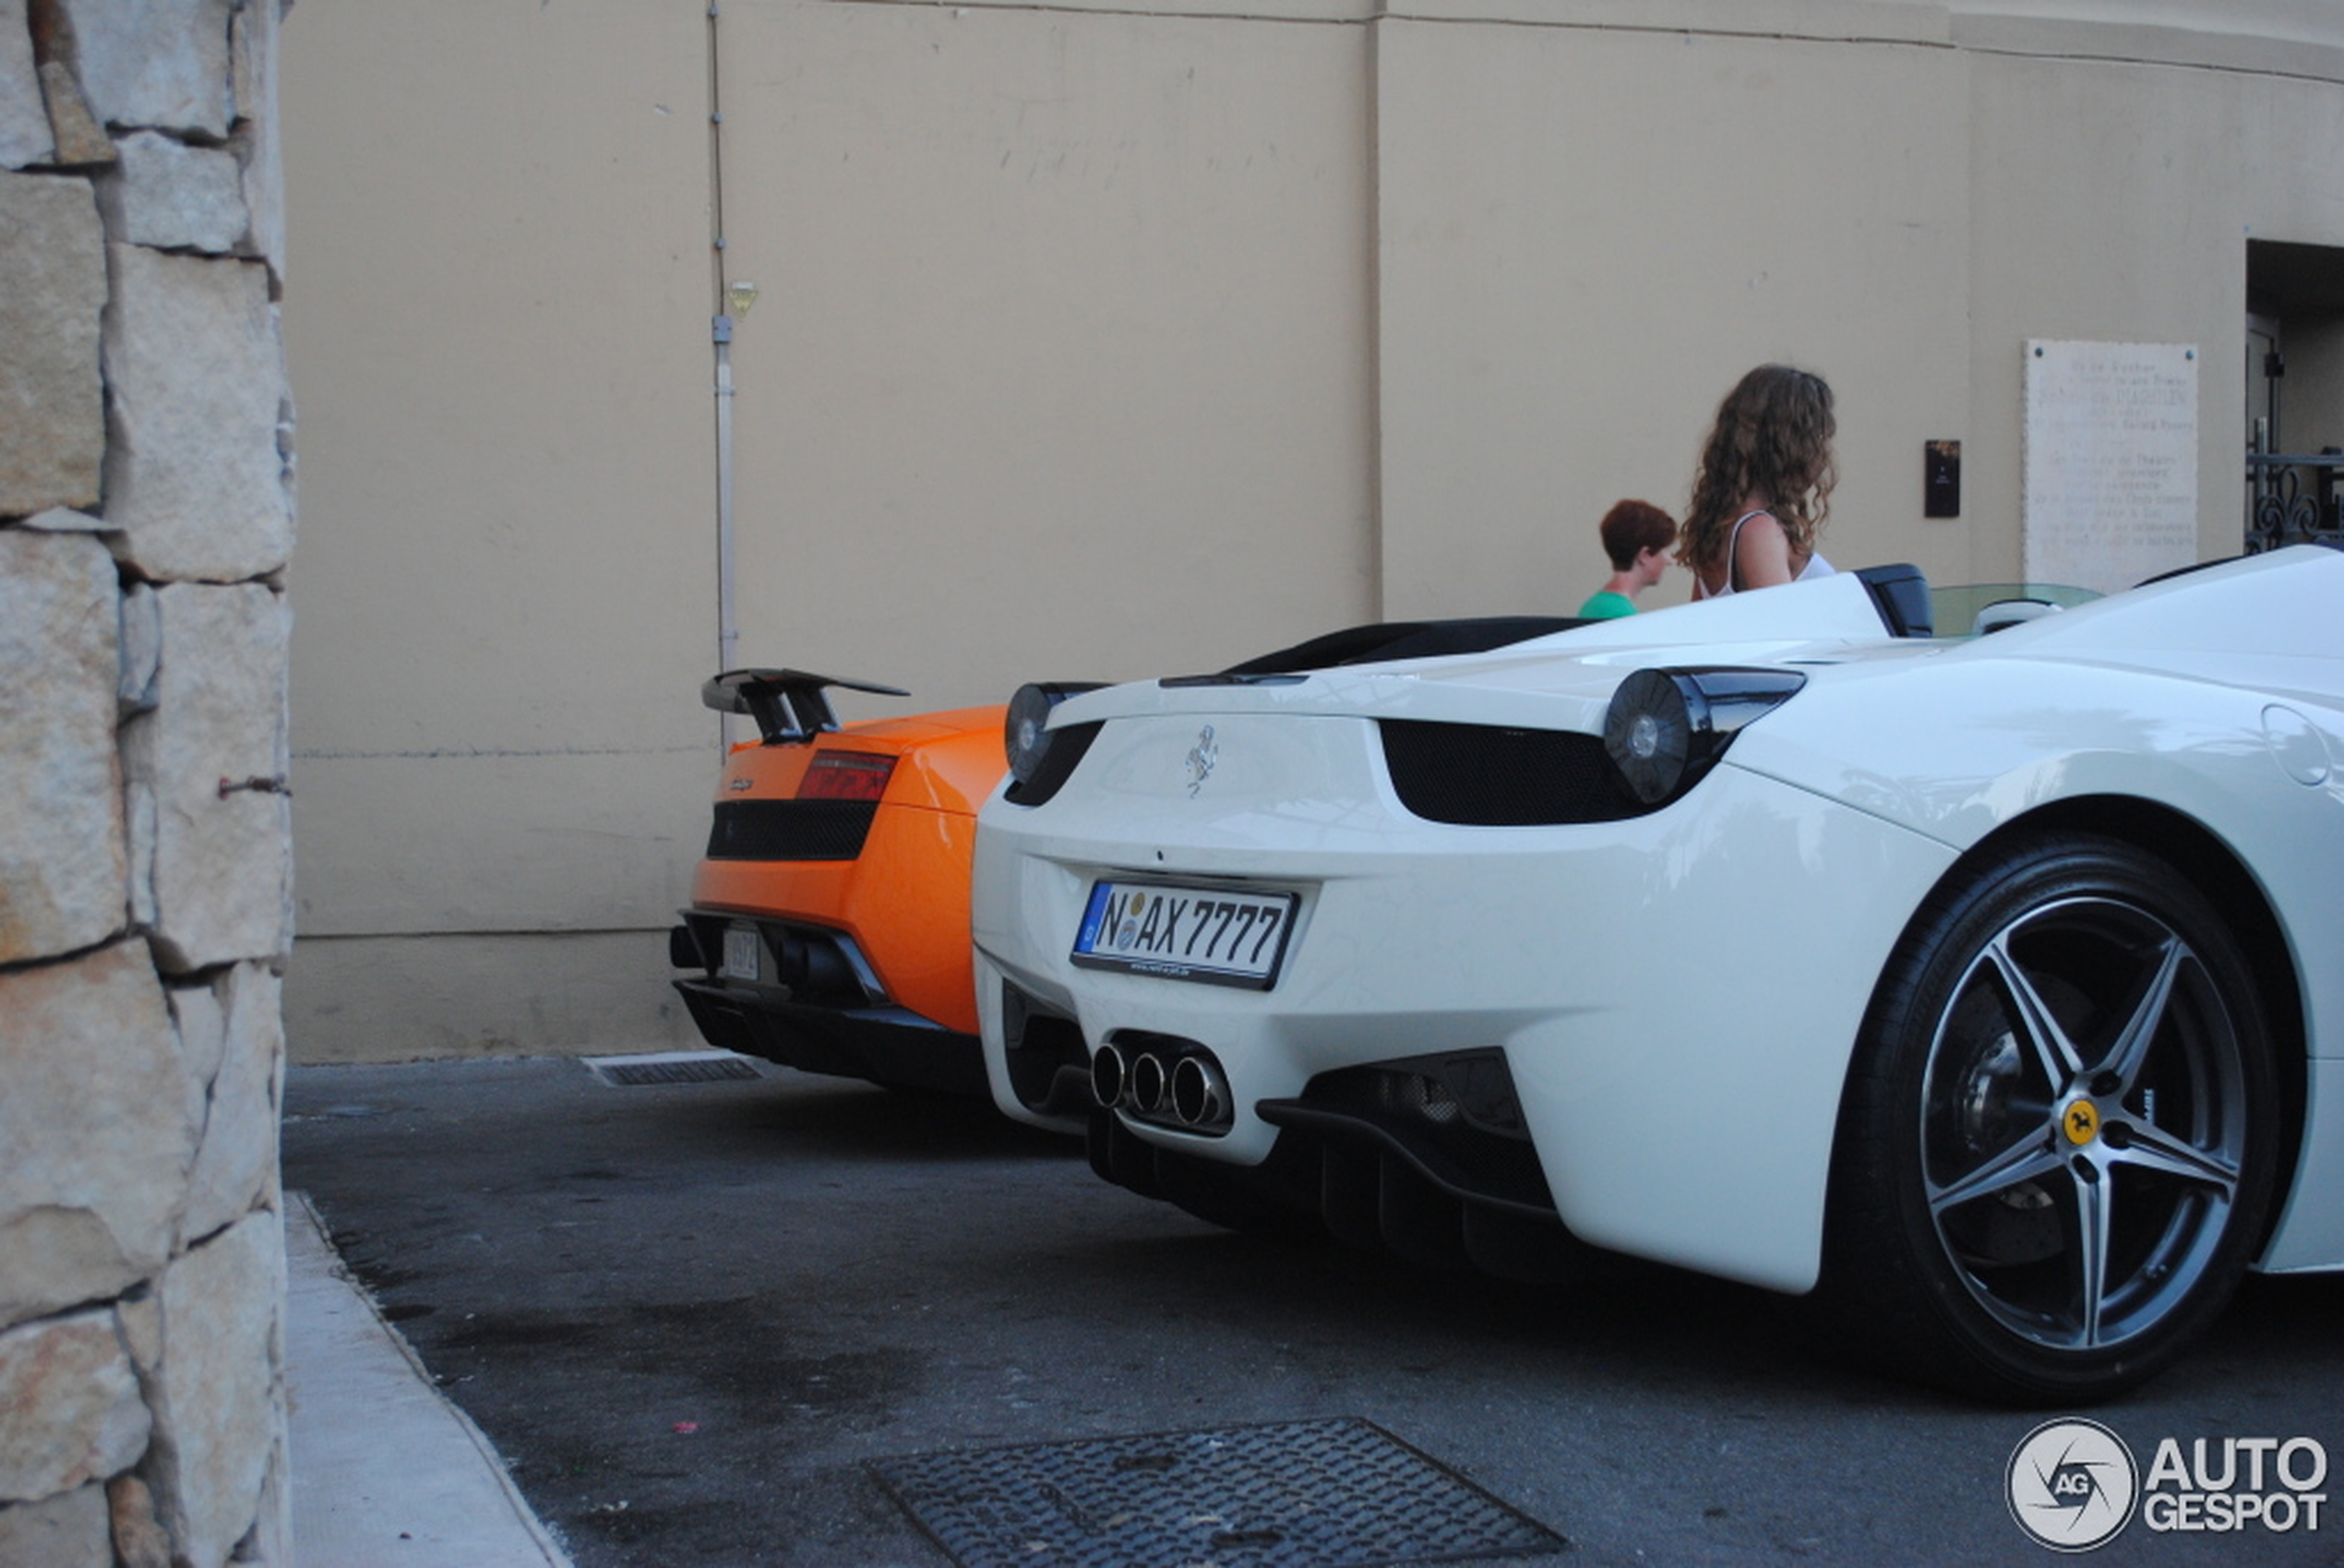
[(2294, 414)]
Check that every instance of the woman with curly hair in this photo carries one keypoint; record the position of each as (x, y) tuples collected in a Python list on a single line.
[(1764, 487)]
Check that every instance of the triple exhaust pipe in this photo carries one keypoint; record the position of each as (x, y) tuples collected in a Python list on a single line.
[(1187, 1090)]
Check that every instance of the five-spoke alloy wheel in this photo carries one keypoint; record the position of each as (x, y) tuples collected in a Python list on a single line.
[(2060, 1129)]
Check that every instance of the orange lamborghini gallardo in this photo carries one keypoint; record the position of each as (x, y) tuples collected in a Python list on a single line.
[(830, 917)]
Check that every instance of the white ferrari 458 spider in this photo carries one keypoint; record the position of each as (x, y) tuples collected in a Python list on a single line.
[(1991, 985)]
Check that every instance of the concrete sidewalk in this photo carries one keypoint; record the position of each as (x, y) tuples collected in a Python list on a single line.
[(387, 1473)]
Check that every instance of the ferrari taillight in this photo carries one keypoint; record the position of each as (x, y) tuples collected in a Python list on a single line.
[(845, 776)]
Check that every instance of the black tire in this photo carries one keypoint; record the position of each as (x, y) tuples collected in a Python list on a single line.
[(2059, 1139)]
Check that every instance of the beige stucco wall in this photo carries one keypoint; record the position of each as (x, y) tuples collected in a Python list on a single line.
[(1095, 340), (1052, 307), (1587, 236), (505, 366), (2138, 236)]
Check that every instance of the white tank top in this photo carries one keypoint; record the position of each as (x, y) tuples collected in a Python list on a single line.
[(1816, 566)]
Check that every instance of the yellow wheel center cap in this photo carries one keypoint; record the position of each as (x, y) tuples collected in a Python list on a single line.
[(2080, 1121)]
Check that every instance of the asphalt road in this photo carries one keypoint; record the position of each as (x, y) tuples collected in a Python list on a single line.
[(693, 1316)]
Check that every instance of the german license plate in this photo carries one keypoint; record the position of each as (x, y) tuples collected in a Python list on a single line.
[(1217, 935), (741, 950)]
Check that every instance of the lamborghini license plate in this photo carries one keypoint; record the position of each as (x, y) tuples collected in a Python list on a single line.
[(1217, 935), (741, 949)]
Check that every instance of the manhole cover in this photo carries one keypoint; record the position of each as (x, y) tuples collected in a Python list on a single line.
[(1328, 1494), (672, 1067)]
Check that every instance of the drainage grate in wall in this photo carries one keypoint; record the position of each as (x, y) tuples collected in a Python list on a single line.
[(671, 1067), (1326, 1494)]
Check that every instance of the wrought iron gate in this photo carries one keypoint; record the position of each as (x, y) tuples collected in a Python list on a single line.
[(2293, 499)]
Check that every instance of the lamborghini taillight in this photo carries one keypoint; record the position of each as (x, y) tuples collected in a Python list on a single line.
[(845, 776)]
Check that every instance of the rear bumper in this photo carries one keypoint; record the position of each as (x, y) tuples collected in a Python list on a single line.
[(881, 1045), (817, 1005), (1687, 1122)]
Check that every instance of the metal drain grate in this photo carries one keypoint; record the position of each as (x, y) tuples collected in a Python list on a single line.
[(674, 1067), (1324, 1494)]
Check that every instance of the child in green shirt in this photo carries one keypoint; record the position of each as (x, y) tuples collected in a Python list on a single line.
[(1636, 536)]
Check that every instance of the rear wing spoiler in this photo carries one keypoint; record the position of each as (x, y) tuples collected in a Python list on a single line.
[(788, 705)]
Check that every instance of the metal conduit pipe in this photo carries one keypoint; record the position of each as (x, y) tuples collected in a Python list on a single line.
[(732, 299)]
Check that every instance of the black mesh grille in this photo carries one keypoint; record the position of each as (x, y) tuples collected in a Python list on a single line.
[(1457, 1116), (790, 830), (1481, 775)]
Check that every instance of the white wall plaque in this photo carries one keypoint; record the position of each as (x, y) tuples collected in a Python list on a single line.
[(2111, 461)]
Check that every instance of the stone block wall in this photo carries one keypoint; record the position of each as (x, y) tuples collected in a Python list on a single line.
[(145, 518)]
